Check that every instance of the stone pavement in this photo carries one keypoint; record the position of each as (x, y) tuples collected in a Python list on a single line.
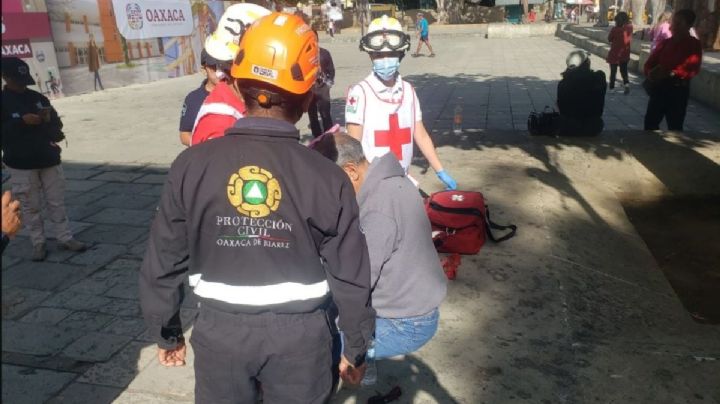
[(572, 310)]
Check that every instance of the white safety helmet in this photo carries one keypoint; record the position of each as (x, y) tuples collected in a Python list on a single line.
[(223, 43), (385, 34)]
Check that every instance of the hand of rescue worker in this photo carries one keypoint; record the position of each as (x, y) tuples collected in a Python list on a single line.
[(10, 216), (32, 119), (173, 357), (449, 182), (351, 374)]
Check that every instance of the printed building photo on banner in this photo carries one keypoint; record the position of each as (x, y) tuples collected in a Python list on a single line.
[(112, 43), (26, 34)]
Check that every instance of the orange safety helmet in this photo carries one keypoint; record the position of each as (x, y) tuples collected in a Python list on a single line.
[(279, 49)]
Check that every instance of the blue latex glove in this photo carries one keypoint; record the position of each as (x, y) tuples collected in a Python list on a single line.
[(449, 182)]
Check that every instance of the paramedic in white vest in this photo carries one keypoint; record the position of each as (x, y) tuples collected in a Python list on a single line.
[(383, 111)]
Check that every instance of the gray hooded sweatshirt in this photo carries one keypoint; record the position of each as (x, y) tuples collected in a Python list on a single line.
[(406, 277)]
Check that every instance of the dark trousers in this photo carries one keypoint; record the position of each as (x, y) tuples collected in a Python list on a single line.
[(668, 100), (320, 104), (623, 73), (290, 354), (97, 80)]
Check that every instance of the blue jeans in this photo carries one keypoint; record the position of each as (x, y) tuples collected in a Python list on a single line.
[(400, 336)]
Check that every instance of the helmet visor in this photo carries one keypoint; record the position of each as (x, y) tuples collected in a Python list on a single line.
[(385, 40)]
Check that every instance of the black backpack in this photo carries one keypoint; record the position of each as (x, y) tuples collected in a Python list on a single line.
[(545, 123)]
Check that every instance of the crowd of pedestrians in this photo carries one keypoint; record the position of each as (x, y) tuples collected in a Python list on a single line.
[(675, 58)]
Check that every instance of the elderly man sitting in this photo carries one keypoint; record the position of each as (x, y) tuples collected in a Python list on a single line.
[(407, 281)]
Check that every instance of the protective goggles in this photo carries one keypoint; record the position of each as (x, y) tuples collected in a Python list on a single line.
[(385, 40)]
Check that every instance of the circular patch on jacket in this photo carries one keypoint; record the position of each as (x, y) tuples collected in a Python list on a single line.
[(254, 192)]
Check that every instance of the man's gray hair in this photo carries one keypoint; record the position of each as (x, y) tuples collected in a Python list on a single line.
[(340, 148)]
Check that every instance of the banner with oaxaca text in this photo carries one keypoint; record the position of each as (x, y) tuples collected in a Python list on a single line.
[(114, 43), (26, 34), (153, 18)]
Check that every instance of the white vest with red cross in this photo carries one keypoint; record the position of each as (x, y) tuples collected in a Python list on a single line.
[(389, 121)]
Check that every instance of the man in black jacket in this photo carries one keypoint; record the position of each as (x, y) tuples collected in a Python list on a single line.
[(581, 97), (30, 129), (272, 229), (320, 103)]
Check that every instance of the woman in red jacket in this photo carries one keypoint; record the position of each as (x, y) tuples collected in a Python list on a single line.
[(620, 37)]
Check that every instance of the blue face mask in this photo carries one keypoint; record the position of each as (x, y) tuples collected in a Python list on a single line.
[(386, 68)]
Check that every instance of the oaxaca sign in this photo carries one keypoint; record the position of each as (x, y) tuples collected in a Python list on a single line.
[(142, 19), (18, 48)]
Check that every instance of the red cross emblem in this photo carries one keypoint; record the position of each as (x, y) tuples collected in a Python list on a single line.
[(352, 101), (394, 138)]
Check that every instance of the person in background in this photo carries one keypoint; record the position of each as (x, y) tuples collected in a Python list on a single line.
[(94, 62), (620, 37), (660, 31), (321, 95), (10, 219), (669, 70), (532, 16), (31, 129), (196, 97), (423, 29), (581, 97)]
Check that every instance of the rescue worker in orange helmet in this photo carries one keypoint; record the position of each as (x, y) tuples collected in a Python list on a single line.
[(274, 247)]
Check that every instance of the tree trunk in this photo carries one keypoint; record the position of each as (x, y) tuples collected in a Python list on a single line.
[(442, 17), (603, 12), (638, 9), (126, 55), (525, 8), (657, 8)]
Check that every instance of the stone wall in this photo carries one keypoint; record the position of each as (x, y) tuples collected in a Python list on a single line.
[(505, 30)]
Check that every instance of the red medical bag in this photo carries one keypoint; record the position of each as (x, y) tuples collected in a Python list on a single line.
[(461, 221)]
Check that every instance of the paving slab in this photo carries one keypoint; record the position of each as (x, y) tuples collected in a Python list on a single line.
[(133, 200), (46, 316), (122, 368), (130, 326), (108, 234), (98, 255), (36, 339), (116, 188), (40, 275), (95, 347), (82, 185), (30, 385), (118, 176), (132, 217), (152, 179), (18, 301), (87, 321), (82, 393)]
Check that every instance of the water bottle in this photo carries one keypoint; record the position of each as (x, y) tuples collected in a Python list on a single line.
[(457, 119)]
